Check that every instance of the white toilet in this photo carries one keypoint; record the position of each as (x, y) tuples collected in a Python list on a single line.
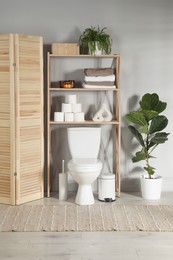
[(84, 167)]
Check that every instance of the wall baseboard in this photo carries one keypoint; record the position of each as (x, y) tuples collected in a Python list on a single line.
[(133, 184), (167, 184), (128, 185)]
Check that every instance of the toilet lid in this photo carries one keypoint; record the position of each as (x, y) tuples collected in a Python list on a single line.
[(85, 165)]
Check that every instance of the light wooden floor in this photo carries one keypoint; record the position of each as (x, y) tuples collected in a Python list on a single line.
[(90, 245)]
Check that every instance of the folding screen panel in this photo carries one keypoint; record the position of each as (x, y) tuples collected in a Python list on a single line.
[(22, 105), (29, 117), (7, 120)]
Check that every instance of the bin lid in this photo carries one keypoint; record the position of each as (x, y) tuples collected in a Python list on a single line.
[(107, 176)]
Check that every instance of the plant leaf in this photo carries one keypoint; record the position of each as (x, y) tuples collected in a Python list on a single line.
[(136, 134), (151, 144), (152, 102), (150, 170), (158, 124), (144, 130), (136, 117), (149, 101), (139, 156), (149, 114), (159, 138)]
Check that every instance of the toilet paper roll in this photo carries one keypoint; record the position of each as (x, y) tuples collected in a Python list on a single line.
[(62, 186), (59, 116), (69, 117), (76, 107), (79, 117), (66, 107), (71, 99)]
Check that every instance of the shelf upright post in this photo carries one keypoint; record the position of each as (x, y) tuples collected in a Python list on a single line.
[(118, 127), (48, 126)]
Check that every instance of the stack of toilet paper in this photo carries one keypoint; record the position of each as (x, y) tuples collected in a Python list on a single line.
[(70, 111)]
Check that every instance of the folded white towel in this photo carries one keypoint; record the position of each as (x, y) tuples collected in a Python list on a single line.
[(96, 86), (100, 78)]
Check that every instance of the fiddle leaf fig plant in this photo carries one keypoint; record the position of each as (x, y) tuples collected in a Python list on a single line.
[(147, 127)]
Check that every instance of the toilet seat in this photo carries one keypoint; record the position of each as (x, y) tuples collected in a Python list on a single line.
[(84, 165)]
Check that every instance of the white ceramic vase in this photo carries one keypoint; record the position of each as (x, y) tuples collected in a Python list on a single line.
[(103, 114), (151, 188)]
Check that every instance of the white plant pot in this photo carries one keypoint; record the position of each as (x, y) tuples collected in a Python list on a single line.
[(97, 51), (151, 188)]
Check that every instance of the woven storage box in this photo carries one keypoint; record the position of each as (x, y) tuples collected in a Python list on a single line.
[(65, 48)]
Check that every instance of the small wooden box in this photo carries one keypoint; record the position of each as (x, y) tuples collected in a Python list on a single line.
[(65, 48)]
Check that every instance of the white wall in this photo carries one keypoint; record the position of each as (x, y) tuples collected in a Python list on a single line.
[(142, 31)]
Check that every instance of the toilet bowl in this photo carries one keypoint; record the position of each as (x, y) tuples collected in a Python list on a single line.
[(84, 167)]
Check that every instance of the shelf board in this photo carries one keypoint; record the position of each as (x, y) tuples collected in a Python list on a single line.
[(85, 56), (83, 89), (87, 122)]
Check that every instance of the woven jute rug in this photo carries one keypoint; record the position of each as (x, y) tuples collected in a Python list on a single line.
[(110, 217)]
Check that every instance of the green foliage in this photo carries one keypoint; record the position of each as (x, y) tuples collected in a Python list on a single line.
[(148, 130), (92, 35)]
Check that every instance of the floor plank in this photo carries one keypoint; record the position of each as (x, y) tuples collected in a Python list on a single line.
[(86, 245)]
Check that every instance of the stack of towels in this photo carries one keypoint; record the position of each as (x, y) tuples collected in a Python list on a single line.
[(99, 78)]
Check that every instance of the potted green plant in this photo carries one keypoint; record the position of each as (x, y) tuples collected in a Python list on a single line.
[(95, 41), (147, 128)]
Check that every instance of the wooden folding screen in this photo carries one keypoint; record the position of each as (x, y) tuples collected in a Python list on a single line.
[(21, 118)]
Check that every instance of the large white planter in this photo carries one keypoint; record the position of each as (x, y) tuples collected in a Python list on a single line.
[(151, 188)]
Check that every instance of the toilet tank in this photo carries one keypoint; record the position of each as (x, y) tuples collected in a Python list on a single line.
[(84, 142)]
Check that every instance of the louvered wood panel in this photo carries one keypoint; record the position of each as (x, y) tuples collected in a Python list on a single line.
[(7, 123), (29, 117)]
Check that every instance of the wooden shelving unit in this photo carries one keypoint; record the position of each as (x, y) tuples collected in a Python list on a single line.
[(116, 123)]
